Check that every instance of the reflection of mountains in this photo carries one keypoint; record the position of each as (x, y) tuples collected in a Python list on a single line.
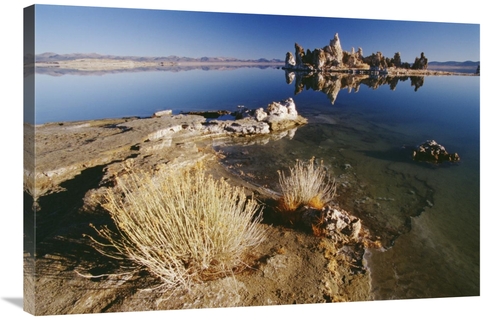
[(331, 84), (54, 71)]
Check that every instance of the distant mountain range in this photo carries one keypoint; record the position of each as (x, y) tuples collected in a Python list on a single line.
[(454, 66), (51, 56), (467, 63)]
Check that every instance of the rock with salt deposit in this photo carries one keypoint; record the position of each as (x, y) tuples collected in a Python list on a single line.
[(431, 151), (289, 61), (162, 113)]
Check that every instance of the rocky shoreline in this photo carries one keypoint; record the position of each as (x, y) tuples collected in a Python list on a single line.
[(63, 197), (84, 144)]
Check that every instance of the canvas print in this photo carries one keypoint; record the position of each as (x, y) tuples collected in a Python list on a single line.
[(193, 160)]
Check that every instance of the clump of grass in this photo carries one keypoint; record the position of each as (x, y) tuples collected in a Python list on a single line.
[(306, 185), (182, 226)]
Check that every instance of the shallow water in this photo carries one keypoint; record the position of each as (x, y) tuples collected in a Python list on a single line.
[(427, 216)]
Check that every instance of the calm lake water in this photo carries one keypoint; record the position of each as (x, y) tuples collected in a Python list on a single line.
[(426, 215)]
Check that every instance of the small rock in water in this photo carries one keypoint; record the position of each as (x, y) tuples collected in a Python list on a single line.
[(431, 151), (162, 113)]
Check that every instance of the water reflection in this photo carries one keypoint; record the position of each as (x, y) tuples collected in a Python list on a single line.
[(58, 71), (426, 216), (331, 84)]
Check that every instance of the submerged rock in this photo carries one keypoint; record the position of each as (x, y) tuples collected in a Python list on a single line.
[(431, 151)]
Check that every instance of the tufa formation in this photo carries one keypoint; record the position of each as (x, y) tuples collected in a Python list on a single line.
[(332, 58)]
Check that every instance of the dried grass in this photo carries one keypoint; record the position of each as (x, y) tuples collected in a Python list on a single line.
[(307, 184), (182, 226)]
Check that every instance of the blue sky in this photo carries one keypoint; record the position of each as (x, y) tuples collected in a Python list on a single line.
[(148, 32)]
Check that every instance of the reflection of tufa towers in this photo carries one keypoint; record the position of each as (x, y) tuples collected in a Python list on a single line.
[(331, 83)]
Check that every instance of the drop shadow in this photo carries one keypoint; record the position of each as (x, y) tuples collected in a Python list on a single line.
[(18, 302)]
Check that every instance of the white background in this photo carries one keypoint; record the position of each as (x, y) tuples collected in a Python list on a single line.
[(11, 90)]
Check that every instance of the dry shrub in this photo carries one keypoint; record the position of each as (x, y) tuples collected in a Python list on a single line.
[(307, 184), (182, 226)]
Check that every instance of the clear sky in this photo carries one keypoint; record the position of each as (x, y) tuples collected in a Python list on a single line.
[(148, 32)]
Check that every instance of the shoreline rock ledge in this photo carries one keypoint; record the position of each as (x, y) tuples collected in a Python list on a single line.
[(64, 150), (278, 116)]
